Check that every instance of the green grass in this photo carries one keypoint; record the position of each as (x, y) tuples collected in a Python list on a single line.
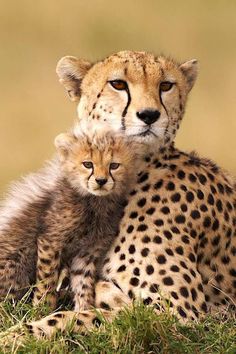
[(137, 330)]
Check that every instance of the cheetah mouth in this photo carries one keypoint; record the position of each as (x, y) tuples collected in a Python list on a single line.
[(147, 133)]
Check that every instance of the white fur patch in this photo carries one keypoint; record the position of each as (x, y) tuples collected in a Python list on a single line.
[(30, 189)]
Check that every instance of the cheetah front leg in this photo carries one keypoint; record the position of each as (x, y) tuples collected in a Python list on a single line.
[(108, 295), (48, 264)]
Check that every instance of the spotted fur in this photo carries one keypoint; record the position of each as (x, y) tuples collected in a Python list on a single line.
[(71, 222), (177, 238)]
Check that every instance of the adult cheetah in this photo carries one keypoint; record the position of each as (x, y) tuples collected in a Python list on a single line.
[(177, 238)]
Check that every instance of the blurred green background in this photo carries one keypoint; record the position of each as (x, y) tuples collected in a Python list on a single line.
[(35, 34)]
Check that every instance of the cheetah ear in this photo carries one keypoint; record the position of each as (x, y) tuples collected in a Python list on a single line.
[(63, 143), (71, 72), (190, 71)]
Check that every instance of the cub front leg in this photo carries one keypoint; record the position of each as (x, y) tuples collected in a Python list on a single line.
[(48, 265), (83, 278)]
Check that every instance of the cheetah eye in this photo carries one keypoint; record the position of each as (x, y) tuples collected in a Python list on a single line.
[(87, 164), (114, 166), (118, 85), (166, 86)]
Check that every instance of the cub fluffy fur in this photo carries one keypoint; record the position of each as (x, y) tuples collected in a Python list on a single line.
[(67, 214)]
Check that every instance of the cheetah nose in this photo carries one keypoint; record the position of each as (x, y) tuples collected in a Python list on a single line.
[(101, 181), (148, 116)]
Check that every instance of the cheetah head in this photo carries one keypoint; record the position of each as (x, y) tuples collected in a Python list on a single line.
[(136, 93)]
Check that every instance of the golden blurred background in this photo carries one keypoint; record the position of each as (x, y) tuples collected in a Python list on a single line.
[(35, 34)]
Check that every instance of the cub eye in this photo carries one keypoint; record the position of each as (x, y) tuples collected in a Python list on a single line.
[(118, 85), (166, 86), (114, 165), (87, 164)]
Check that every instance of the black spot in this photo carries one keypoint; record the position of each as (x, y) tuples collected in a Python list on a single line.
[(185, 239), (203, 208), (200, 194), (181, 174), (117, 249), (145, 252), (195, 214), (175, 230), (220, 188), (179, 250), (194, 294), (174, 268), (154, 288), (180, 219), (149, 269), (143, 178), (219, 205), (133, 215), (142, 202), (146, 239), (131, 294), (52, 322), (232, 272), (210, 199), (184, 291), (142, 227), (170, 186), (159, 222), (136, 271), (165, 210), (150, 211), (96, 322), (134, 281), (147, 301), (187, 278), (122, 256), (167, 234), (157, 239), (168, 281), (159, 184), (181, 312), (225, 259), (202, 179), (192, 257), (175, 198), (215, 225), (104, 306), (161, 259), (189, 197), (130, 229), (174, 295), (132, 249), (122, 268), (169, 251), (192, 178)]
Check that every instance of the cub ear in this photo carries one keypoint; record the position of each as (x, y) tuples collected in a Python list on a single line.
[(71, 72), (190, 71), (63, 143)]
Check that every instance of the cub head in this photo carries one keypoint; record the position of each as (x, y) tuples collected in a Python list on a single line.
[(135, 93), (97, 164)]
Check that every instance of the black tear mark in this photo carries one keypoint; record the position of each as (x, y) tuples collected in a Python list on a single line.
[(126, 109), (167, 127)]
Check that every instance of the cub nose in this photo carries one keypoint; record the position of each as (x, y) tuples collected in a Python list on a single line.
[(148, 116), (101, 181)]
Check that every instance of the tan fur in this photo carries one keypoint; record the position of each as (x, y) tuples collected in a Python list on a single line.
[(177, 239)]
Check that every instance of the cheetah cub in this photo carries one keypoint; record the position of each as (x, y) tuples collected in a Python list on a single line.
[(73, 223)]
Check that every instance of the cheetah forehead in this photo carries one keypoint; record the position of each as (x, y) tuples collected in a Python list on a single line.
[(132, 63)]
